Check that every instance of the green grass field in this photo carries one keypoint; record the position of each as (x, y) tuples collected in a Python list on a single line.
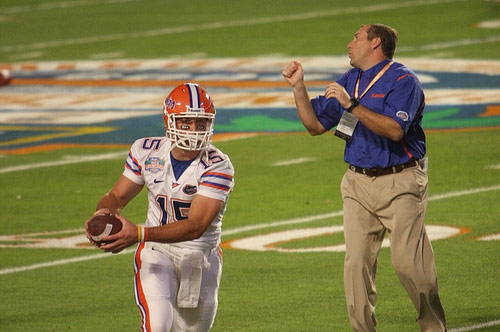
[(158, 29), (80, 290), (268, 291)]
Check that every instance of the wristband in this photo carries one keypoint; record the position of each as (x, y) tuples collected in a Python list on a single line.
[(142, 234)]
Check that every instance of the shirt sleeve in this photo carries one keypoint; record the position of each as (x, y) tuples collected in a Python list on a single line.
[(133, 167), (328, 110), (405, 101), (217, 181)]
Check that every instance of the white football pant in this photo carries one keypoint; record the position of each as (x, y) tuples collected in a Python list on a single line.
[(159, 269)]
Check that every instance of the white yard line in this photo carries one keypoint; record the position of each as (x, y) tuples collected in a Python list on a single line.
[(74, 160), (222, 25), (57, 5), (463, 192), (283, 222), (449, 44), (60, 262), (292, 161), (476, 326)]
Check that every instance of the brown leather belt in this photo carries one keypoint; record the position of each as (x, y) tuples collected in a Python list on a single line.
[(384, 171)]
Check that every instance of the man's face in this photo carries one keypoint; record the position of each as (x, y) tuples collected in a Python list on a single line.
[(360, 47), (192, 124)]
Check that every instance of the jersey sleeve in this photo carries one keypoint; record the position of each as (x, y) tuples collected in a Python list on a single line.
[(405, 101), (133, 166), (217, 180)]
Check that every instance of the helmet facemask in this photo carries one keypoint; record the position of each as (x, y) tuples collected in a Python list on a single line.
[(187, 139)]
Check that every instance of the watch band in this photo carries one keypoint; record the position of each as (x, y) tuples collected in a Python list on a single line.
[(354, 103)]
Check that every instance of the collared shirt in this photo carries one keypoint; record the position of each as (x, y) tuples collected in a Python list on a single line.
[(397, 94)]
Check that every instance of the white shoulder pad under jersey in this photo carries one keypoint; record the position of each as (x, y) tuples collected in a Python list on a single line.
[(210, 174)]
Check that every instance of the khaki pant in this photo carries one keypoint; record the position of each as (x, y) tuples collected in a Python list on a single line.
[(394, 203)]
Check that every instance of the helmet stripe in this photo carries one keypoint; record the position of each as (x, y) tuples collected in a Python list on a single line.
[(194, 95)]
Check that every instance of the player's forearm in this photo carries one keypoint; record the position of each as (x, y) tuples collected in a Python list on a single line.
[(184, 230), (202, 212), (111, 202), (378, 123), (120, 195), (130, 234), (306, 111)]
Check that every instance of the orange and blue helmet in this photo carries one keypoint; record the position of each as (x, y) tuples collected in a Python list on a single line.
[(189, 100)]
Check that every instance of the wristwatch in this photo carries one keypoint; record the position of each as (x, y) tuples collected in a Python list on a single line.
[(354, 104)]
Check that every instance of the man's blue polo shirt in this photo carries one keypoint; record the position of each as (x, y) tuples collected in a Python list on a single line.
[(397, 94)]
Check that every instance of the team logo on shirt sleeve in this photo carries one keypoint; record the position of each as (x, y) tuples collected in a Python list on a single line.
[(154, 165), (403, 115)]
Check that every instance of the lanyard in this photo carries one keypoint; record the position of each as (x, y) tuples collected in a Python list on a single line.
[(375, 79)]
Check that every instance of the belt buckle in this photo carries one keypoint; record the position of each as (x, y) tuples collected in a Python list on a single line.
[(364, 172)]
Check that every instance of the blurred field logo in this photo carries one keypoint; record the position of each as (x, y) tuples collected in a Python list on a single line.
[(275, 241)]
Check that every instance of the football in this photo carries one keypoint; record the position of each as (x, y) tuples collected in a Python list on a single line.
[(103, 224), (5, 77)]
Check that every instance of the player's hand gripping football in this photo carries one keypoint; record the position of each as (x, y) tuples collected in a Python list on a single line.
[(87, 225), (121, 240), (114, 243)]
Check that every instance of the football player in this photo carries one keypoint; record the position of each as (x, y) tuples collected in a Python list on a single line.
[(178, 262)]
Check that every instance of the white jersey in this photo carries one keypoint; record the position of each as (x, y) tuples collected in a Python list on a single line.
[(210, 174)]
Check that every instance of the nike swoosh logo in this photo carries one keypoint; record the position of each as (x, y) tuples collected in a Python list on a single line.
[(158, 181)]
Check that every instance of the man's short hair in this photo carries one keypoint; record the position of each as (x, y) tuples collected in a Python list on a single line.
[(387, 35)]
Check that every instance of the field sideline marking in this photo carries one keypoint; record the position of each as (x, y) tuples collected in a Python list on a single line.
[(239, 230), (221, 25)]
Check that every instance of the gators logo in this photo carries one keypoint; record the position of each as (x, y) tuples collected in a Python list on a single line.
[(190, 190)]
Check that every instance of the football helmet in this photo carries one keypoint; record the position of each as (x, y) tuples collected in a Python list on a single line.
[(189, 100)]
